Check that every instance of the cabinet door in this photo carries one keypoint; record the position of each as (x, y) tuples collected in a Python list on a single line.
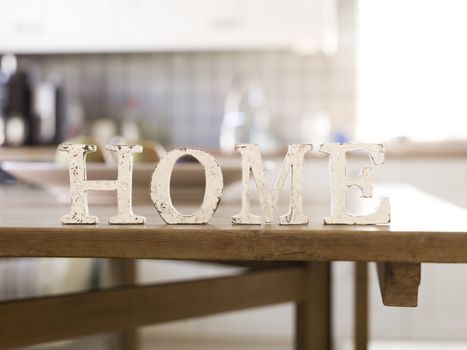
[(306, 25), (161, 25)]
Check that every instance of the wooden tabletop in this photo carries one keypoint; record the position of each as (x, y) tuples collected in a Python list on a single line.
[(423, 229)]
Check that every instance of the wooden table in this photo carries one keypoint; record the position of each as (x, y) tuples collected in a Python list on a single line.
[(287, 264)]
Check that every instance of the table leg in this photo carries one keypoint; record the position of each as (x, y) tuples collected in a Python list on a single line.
[(313, 316), (123, 273), (399, 283), (361, 306)]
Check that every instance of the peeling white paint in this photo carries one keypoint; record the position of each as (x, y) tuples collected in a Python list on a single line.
[(252, 165), (340, 182), (160, 187), (79, 185)]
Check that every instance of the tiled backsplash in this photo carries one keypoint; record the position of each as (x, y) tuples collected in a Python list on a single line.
[(182, 93)]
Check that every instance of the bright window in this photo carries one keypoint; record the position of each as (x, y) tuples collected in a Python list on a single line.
[(412, 69)]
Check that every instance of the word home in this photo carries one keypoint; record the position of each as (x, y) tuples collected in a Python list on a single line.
[(252, 167)]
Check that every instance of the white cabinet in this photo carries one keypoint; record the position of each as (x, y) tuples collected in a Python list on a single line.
[(30, 26)]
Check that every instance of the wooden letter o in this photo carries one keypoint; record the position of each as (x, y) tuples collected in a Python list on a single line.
[(160, 187)]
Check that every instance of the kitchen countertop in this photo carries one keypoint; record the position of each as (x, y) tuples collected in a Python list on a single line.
[(406, 149)]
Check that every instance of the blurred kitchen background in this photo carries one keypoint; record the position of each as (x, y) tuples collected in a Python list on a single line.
[(177, 83), (209, 73)]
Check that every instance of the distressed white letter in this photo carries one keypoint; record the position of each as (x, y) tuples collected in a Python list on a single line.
[(79, 185), (340, 183), (252, 164), (160, 187)]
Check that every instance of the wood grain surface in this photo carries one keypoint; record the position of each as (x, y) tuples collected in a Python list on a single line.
[(313, 324), (361, 312), (423, 229), (399, 283), (33, 321), (123, 272)]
